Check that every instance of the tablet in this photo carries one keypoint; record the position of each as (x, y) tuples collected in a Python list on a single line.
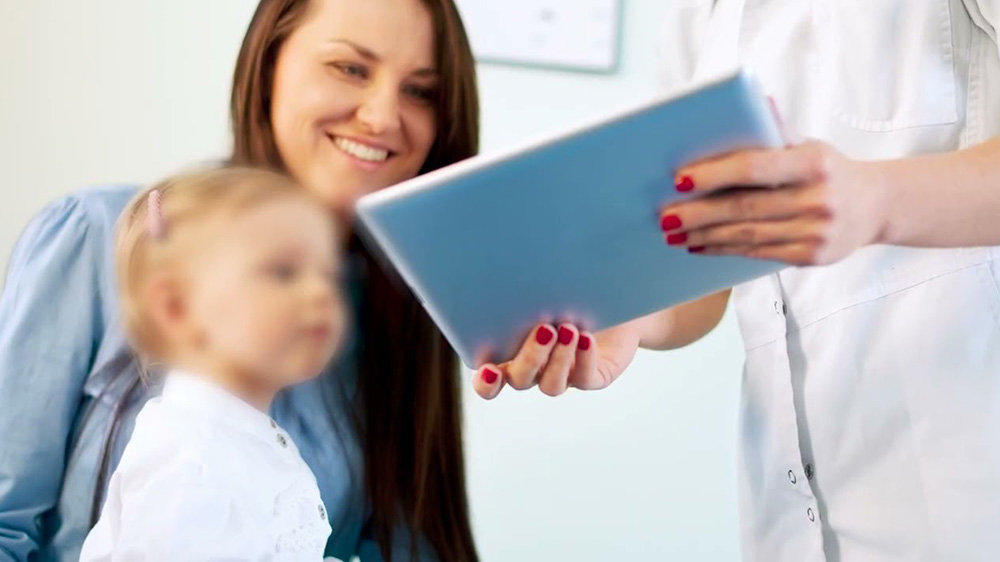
[(566, 229)]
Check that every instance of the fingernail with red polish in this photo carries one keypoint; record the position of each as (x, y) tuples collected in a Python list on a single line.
[(670, 222), (684, 184), (677, 239), (565, 335), (490, 376), (544, 335), (696, 249), (584, 343)]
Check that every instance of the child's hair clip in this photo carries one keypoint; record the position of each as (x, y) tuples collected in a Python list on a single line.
[(154, 215)]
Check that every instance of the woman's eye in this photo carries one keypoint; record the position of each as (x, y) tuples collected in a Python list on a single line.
[(420, 93), (352, 70)]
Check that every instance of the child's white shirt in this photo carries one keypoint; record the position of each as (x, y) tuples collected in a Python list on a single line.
[(206, 476)]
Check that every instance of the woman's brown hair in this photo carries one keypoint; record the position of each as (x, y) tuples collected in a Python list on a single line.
[(409, 400)]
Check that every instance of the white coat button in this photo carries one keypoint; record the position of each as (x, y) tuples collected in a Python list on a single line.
[(282, 441), (791, 477), (811, 515), (809, 472)]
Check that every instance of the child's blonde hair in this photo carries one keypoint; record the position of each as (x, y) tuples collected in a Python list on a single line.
[(179, 202)]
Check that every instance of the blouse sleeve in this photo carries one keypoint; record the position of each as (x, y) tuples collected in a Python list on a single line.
[(50, 324)]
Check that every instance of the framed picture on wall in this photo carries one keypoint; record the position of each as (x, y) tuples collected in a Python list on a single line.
[(573, 35)]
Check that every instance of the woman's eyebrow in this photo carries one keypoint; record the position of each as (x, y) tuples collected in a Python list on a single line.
[(371, 55), (365, 52)]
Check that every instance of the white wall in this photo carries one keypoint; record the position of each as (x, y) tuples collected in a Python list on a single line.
[(109, 91), (120, 90)]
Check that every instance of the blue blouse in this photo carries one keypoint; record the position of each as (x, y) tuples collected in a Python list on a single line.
[(65, 368)]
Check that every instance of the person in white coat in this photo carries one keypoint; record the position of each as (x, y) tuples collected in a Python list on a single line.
[(870, 422)]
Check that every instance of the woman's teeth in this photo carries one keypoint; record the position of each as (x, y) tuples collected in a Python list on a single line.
[(361, 151)]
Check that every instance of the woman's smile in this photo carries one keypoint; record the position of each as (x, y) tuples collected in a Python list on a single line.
[(366, 155)]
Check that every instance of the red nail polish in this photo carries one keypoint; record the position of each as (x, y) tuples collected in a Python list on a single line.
[(490, 376), (565, 335), (670, 222), (696, 249), (685, 184), (544, 335), (584, 343), (677, 239)]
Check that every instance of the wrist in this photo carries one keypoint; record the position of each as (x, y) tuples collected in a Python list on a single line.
[(649, 332), (882, 190)]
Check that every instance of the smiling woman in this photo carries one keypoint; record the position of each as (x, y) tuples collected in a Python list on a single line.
[(362, 94), (353, 100), (395, 75), (347, 97)]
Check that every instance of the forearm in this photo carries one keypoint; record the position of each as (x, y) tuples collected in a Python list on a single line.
[(683, 324), (942, 200)]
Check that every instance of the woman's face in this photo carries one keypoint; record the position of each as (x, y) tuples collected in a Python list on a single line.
[(352, 107)]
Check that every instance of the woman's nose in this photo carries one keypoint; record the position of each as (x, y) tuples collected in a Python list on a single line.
[(379, 111)]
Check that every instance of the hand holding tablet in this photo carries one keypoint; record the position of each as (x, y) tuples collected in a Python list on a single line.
[(566, 232)]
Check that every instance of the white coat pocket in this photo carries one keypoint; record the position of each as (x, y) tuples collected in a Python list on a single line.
[(892, 62)]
